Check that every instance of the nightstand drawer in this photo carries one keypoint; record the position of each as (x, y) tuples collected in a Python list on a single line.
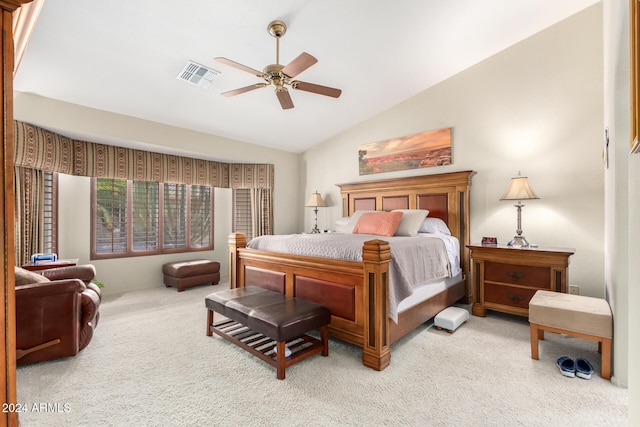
[(525, 275), (508, 295)]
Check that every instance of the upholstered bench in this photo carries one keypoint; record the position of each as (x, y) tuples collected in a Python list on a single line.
[(184, 274), (269, 325), (575, 315)]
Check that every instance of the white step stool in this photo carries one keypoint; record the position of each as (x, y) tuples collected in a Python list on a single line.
[(450, 318)]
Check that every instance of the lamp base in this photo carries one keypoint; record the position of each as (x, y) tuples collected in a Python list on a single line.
[(518, 242), (315, 228)]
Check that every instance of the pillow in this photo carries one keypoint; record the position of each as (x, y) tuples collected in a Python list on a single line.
[(380, 223), (353, 220), (342, 221), (26, 277), (340, 225), (411, 221), (434, 225)]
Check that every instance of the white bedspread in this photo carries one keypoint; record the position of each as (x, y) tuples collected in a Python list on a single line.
[(413, 259)]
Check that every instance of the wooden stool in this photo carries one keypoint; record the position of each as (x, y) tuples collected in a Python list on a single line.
[(575, 315)]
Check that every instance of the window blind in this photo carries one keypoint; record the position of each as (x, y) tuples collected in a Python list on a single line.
[(145, 215), (110, 231), (242, 212), (50, 225)]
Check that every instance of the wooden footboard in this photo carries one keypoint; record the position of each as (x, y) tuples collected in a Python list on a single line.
[(356, 293)]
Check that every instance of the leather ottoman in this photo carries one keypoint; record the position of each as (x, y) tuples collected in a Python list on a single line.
[(184, 274)]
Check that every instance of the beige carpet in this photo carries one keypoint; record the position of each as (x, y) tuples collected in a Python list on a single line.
[(151, 364)]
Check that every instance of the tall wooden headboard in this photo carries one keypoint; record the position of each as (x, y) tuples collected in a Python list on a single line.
[(445, 195)]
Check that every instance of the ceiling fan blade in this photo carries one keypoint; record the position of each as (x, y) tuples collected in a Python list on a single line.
[(244, 89), (284, 98), (239, 66), (314, 88), (298, 65)]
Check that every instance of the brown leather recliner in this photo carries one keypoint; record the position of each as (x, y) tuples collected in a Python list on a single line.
[(56, 312)]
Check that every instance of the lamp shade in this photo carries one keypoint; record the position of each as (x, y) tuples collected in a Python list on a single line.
[(519, 189), (315, 201)]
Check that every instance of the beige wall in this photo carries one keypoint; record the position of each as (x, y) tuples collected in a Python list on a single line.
[(535, 107), (622, 206), (142, 272)]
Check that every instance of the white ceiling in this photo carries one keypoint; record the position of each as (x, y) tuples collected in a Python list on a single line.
[(124, 56)]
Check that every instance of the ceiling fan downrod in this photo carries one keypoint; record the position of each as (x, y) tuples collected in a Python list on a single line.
[(277, 30)]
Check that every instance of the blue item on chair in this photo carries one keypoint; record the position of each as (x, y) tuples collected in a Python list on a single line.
[(567, 366), (44, 257), (584, 369)]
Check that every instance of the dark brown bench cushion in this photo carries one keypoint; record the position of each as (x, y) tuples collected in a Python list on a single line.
[(271, 313), (288, 319), (237, 304)]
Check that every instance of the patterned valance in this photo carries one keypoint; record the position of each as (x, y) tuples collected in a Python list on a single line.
[(42, 149), (251, 176)]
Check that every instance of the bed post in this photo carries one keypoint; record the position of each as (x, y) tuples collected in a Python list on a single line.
[(375, 346), (236, 241)]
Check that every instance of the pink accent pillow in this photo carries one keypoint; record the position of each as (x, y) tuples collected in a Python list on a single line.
[(380, 223)]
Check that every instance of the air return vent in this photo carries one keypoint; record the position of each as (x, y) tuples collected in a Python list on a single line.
[(197, 74)]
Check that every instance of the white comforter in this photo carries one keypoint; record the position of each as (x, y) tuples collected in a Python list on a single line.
[(413, 259)]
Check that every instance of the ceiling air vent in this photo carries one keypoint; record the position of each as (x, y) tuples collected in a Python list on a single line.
[(197, 74)]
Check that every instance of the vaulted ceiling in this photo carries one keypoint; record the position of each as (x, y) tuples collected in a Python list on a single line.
[(125, 56)]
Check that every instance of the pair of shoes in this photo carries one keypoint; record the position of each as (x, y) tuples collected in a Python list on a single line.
[(567, 366), (584, 369)]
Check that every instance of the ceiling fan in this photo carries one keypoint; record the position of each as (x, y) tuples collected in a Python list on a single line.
[(281, 76)]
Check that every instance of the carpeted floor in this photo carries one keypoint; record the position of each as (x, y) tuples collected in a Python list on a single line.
[(151, 364)]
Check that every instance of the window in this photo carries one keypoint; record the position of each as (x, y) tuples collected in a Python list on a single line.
[(145, 216), (252, 212), (242, 212), (50, 230), (135, 218)]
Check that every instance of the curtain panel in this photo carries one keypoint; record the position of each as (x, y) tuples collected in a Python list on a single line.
[(261, 212), (29, 212), (38, 148)]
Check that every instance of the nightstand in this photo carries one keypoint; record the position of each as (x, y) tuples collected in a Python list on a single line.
[(505, 278)]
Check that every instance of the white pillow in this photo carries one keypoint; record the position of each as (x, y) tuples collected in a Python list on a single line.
[(411, 221), (342, 221), (340, 224), (434, 225)]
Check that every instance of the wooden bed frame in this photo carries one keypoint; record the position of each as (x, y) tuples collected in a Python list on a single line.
[(357, 292)]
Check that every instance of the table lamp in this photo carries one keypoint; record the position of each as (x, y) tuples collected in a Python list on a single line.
[(519, 189), (315, 201)]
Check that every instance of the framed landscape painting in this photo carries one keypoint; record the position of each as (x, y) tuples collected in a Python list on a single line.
[(422, 150)]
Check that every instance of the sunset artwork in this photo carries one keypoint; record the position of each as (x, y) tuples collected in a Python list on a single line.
[(423, 150)]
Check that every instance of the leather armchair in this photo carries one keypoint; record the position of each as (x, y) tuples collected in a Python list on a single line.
[(57, 311)]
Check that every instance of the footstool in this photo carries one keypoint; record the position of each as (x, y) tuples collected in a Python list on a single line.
[(450, 319), (575, 315), (184, 274), (269, 325)]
